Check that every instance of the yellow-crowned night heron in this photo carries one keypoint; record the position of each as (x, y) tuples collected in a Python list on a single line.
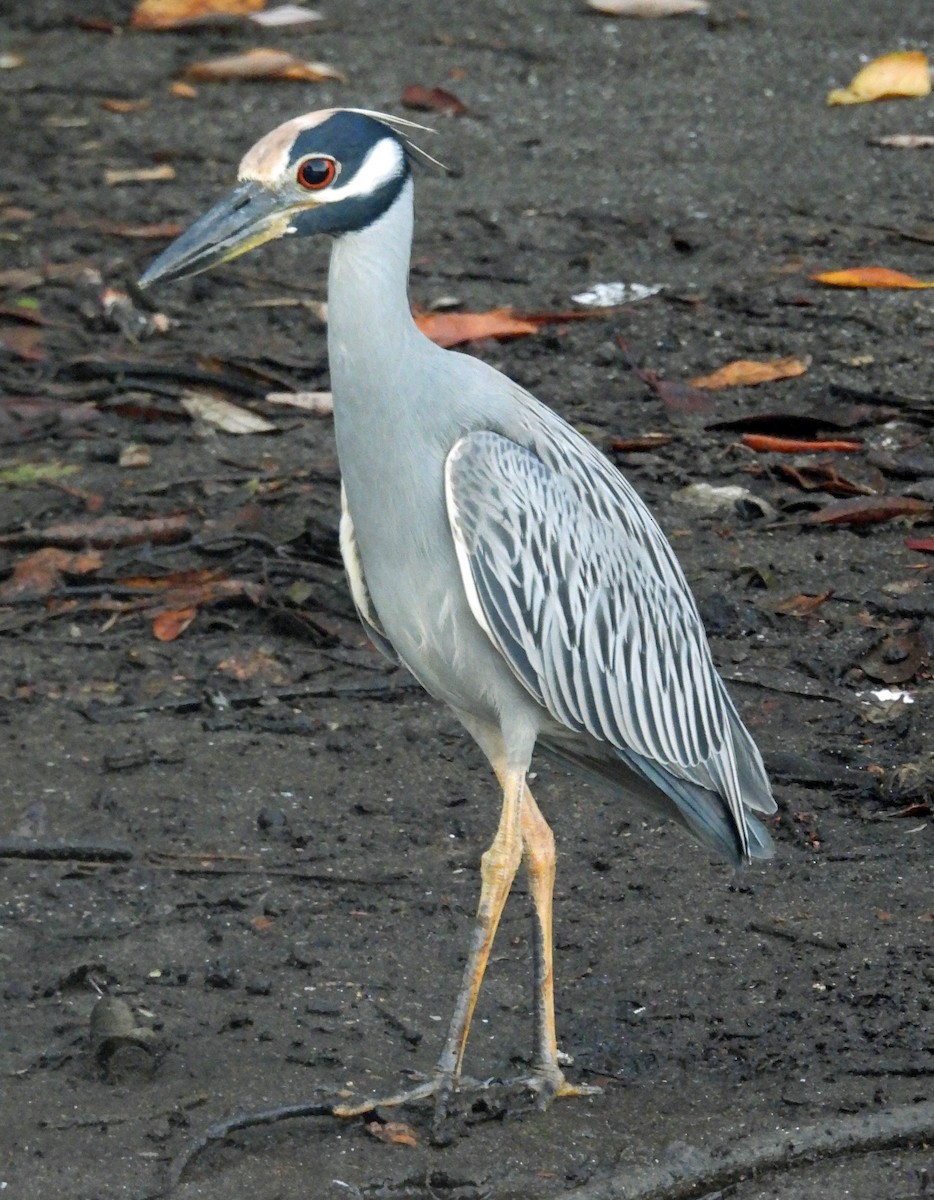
[(491, 549)]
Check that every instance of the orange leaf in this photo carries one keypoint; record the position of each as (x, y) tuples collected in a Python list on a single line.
[(870, 277), (40, 573), (170, 14), (905, 73), (745, 372), (432, 100), (455, 328), (168, 625), (803, 605), (394, 1133), (764, 442), (263, 63)]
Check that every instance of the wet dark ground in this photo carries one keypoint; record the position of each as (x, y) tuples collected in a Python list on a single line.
[(294, 830)]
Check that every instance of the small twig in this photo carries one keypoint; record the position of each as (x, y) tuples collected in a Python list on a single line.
[(62, 849), (717, 1169), (222, 1129), (792, 935)]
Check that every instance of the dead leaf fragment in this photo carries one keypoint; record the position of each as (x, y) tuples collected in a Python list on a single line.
[(260, 664), (103, 532), (803, 605), (764, 443), (318, 404), (455, 328), (745, 372), (649, 8), (170, 14), (263, 63), (870, 277), (904, 141), (921, 545), (869, 510), (230, 418), (902, 74), (40, 573), (115, 177), (116, 105), (182, 90), (168, 625), (133, 455), (434, 99), (393, 1133)]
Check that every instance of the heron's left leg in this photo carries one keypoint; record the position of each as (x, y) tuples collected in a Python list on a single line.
[(538, 845)]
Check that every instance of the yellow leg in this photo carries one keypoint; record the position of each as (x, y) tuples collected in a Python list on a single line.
[(538, 844), (498, 868)]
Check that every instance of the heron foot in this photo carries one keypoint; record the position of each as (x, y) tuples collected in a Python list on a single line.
[(545, 1083)]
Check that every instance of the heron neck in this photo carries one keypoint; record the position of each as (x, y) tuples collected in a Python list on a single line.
[(370, 325)]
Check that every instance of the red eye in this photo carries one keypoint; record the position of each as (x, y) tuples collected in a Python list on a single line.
[(316, 173)]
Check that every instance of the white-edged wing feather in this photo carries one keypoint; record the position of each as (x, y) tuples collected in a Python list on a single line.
[(572, 579)]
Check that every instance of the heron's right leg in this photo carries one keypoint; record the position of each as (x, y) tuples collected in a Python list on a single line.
[(498, 868)]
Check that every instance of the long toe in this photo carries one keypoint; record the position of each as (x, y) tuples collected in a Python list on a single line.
[(548, 1083)]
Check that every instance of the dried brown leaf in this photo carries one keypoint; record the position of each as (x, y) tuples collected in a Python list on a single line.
[(434, 99), (393, 1133), (263, 63), (455, 328), (168, 625), (40, 573), (921, 545), (230, 418), (802, 605), (103, 532), (745, 372), (869, 510), (171, 14)]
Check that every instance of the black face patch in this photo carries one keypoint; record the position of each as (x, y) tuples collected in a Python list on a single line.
[(348, 138)]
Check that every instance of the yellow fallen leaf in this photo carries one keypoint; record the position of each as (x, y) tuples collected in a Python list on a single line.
[(171, 14), (745, 372), (904, 73), (870, 277)]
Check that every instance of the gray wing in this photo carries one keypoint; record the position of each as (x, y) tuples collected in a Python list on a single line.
[(576, 585), (357, 581)]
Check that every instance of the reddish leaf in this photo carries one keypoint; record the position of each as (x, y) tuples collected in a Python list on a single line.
[(922, 545), (649, 441), (765, 443), (897, 658), (23, 341), (869, 510), (107, 531), (394, 1133), (432, 100), (455, 328), (822, 477), (166, 626), (41, 573), (678, 397), (803, 605)]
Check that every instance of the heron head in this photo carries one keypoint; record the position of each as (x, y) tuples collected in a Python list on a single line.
[(333, 171)]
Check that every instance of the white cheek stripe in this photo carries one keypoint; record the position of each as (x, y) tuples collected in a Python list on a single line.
[(384, 162)]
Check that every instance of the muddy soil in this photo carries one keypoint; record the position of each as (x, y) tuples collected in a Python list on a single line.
[(263, 840)]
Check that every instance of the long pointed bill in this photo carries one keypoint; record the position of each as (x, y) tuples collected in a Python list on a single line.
[(249, 216)]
